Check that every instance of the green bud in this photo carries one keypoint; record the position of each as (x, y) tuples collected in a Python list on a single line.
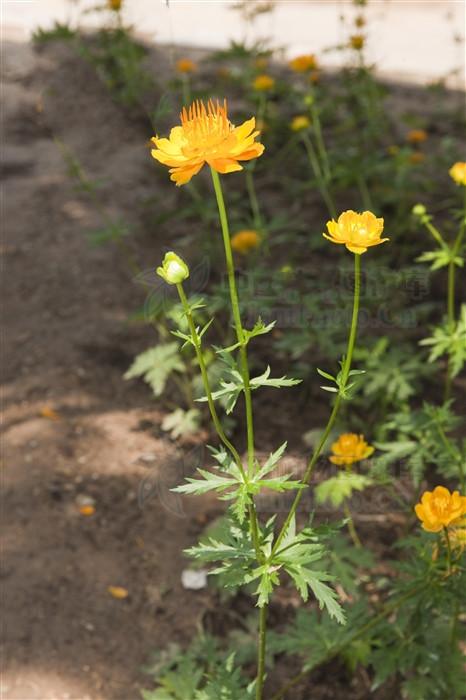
[(309, 100), (174, 270), (419, 210)]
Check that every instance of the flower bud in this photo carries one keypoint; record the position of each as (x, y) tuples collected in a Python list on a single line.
[(173, 270), (308, 100), (419, 210)]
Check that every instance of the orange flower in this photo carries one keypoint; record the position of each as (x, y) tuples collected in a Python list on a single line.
[(357, 42), (115, 5), (350, 448), (263, 83), (206, 136), (303, 63), (184, 65), (458, 173), (245, 241), (416, 136), (440, 508), (357, 232)]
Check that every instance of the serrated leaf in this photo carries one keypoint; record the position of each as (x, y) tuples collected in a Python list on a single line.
[(155, 366), (339, 488)]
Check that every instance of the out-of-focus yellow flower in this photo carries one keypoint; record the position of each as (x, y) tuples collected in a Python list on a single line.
[(300, 122), (206, 135), (303, 63), (185, 65), (115, 5), (359, 21), (440, 508), (350, 448), (416, 158), (173, 269), (357, 42), (458, 173), (416, 136), (357, 232), (263, 83), (118, 592), (244, 242), (87, 510), (458, 536)]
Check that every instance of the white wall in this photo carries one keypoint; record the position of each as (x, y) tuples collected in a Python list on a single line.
[(409, 39)]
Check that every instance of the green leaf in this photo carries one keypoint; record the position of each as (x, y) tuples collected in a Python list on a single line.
[(209, 482), (339, 488), (181, 423), (155, 366)]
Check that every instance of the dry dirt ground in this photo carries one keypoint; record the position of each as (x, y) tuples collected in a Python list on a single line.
[(66, 344)]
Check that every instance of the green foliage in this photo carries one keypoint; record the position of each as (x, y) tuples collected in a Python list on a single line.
[(339, 488), (202, 672), (59, 32), (156, 365), (450, 341)]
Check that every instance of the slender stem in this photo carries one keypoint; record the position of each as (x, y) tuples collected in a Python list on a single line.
[(351, 527), (256, 213), (213, 412), (447, 539), (386, 610), (456, 247), (321, 181), (365, 194), (333, 415), (261, 652), (186, 85), (236, 317), (319, 137)]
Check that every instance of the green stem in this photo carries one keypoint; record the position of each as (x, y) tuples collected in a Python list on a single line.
[(451, 316), (261, 652), (365, 194), (387, 610), (319, 137), (351, 528), (315, 165), (256, 213), (213, 412), (447, 539), (186, 90), (334, 413), (236, 317)]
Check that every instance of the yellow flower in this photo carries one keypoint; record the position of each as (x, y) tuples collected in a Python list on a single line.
[(245, 241), (357, 232), (115, 5), (416, 136), (173, 270), (357, 41), (350, 448), (458, 536), (458, 173), (440, 508), (206, 136), (300, 122), (263, 83), (416, 158), (304, 63), (184, 65)]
